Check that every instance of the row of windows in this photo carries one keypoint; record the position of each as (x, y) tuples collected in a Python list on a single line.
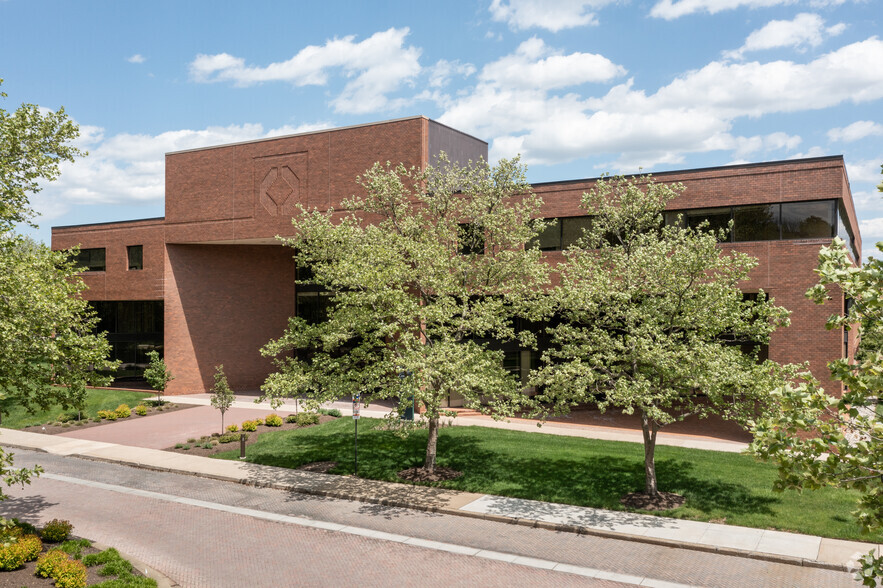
[(95, 260), (817, 219)]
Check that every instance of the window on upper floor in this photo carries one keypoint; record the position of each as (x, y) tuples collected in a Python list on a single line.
[(136, 257), (562, 232), (92, 260)]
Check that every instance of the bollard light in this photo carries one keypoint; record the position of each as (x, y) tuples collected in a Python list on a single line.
[(242, 437)]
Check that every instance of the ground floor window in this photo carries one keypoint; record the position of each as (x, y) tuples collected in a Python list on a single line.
[(134, 328)]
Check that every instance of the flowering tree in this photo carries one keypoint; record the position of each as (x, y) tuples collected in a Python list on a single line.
[(648, 316), (425, 268)]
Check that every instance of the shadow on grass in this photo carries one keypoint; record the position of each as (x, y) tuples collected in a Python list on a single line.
[(492, 463)]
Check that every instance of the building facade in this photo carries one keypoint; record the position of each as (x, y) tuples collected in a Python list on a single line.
[(209, 284)]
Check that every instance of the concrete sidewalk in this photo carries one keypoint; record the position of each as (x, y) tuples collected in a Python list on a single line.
[(776, 546)]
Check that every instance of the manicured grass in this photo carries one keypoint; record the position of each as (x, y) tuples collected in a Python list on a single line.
[(19, 418), (571, 470)]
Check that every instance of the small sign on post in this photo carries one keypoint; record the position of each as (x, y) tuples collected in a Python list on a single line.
[(356, 407)]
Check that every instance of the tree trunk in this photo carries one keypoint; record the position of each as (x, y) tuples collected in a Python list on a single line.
[(431, 445), (649, 429), (222, 422)]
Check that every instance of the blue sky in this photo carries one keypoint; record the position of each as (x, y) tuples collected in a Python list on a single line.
[(577, 87)]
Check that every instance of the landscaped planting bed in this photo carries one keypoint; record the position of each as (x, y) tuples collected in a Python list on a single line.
[(719, 487), (32, 558)]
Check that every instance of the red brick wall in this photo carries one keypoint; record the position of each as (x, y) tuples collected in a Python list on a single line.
[(223, 303), (118, 282), (216, 194)]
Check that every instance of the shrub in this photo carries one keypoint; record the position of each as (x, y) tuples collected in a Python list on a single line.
[(48, 563), (232, 428), (273, 420), (228, 437), (249, 426), (123, 411), (306, 419), (70, 574), (207, 445), (259, 421), (179, 446), (330, 412), (141, 410), (191, 440), (66, 417), (186, 448), (30, 546), (74, 547), (56, 530), (291, 418), (107, 414), (11, 557)]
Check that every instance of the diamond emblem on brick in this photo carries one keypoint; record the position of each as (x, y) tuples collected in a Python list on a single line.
[(279, 191)]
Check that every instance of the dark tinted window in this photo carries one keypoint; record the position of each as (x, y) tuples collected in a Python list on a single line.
[(844, 231), (313, 306), (91, 259), (808, 220), (550, 238), (134, 328), (136, 257), (757, 223), (572, 228)]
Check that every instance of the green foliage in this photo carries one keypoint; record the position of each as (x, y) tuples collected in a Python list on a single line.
[(109, 415), (258, 421), (232, 428), (15, 551), (424, 266), (249, 426), (75, 547), (229, 437), (50, 562), (141, 410), (123, 411), (648, 316), (304, 419), (70, 574), (56, 530), (222, 396), (157, 374), (273, 420), (333, 412)]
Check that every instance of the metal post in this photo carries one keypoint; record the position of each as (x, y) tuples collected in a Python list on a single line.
[(242, 437), (357, 448)]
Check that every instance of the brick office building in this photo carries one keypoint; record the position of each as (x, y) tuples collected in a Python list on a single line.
[(209, 284)]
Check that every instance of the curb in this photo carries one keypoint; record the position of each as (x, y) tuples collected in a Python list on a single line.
[(561, 527)]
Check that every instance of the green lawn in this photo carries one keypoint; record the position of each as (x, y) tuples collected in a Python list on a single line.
[(571, 470), (96, 400)]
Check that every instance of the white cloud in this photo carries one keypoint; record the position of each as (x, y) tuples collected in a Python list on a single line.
[(805, 30), (137, 58), (671, 9), (130, 169), (535, 65), (440, 73), (552, 15), (544, 117), (872, 231), (857, 130), (867, 170), (376, 67)]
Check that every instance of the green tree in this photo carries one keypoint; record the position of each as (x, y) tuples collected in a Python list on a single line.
[(649, 315), (426, 268), (157, 374), (818, 439), (222, 395), (48, 349)]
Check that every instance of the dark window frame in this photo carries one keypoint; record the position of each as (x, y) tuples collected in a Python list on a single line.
[(138, 263), (91, 260)]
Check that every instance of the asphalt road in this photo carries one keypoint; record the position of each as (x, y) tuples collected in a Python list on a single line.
[(224, 534)]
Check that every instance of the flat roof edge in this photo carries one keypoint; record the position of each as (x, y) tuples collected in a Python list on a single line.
[(119, 222), (700, 169), (303, 134)]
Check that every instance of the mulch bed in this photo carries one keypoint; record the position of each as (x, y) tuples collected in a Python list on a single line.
[(662, 501), (234, 446), (54, 429), (438, 474), (24, 577)]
